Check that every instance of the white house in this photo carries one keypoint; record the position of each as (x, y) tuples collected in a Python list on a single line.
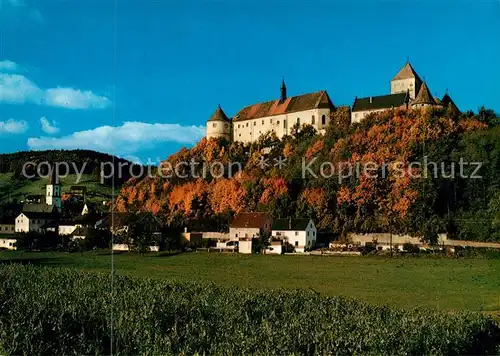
[(9, 244), (34, 216), (300, 233), (249, 225)]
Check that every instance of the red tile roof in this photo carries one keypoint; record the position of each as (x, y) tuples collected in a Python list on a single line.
[(297, 103), (250, 220)]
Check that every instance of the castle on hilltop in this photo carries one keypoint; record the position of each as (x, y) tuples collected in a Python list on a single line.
[(408, 91)]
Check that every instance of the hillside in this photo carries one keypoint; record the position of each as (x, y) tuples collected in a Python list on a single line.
[(14, 186), (396, 200)]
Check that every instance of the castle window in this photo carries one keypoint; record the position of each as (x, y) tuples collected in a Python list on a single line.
[(262, 122), (214, 124), (323, 119), (271, 121), (254, 123), (238, 125), (277, 123), (247, 124), (284, 123), (312, 120)]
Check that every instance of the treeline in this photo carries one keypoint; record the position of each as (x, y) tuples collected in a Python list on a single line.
[(79, 161), (38, 317), (431, 171)]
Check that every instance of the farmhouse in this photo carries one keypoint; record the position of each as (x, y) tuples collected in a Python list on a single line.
[(249, 225), (300, 233), (34, 216)]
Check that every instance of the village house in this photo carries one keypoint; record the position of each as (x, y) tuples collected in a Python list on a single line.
[(7, 225), (34, 217), (61, 227), (249, 225), (8, 243), (80, 233), (121, 223), (300, 233)]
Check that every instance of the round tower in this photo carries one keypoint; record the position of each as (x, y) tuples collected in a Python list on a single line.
[(219, 125)]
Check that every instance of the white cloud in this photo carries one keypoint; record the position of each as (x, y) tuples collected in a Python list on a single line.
[(75, 99), (121, 140), (17, 89), (47, 127), (8, 66), (13, 127)]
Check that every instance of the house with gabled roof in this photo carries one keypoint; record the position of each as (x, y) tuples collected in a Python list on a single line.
[(277, 116), (35, 216), (249, 225), (299, 233)]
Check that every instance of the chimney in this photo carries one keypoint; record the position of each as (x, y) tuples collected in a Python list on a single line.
[(371, 100)]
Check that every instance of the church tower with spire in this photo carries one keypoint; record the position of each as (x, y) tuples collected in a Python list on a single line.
[(53, 190)]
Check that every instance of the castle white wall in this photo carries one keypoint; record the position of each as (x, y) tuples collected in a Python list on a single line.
[(357, 116), (250, 130), (403, 85)]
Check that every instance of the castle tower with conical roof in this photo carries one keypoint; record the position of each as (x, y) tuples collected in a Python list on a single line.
[(407, 80), (424, 98), (219, 125)]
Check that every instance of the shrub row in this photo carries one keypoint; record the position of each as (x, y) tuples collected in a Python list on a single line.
[(64, 311)]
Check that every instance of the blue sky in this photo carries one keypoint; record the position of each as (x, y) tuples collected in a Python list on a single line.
[(140, 78)]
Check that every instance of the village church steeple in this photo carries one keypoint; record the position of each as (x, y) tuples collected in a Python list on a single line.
[(53, 190)]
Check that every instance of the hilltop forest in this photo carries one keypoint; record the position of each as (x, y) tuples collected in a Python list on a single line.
[(399, 195)]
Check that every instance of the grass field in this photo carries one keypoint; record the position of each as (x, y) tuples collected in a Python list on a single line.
[(438, 283)]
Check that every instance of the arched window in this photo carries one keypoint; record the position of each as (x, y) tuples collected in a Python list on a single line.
[(298, 121), (214, 124), (313, 120), (323, 120)]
